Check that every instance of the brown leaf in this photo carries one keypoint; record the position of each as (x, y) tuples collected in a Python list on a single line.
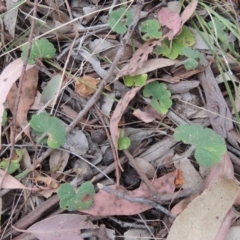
[(106, 204), (139, 57), (61, 227), (8, 76), (188, 11), (148, 115), (29, 89), (85, 90), (203, 217)]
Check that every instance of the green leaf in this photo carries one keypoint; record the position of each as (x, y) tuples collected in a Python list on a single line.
[(138, 80), (51, 88), (192, 55), (72, 200), (44, 123), (41, 48), (125, 16), (161, 101), (218, 28), (184, 39), (151, 29), (209, 146), (123, 143), (4, 117), (14, 163)]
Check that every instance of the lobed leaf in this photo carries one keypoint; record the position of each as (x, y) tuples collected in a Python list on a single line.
[(119, 20), (151, 29), (72, 200), (209, 146), (41, 48), (44, 123), (161, 101)]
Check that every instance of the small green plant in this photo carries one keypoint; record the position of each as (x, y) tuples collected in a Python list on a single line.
[(51, 126), (209, 146), (191, 63), (218, 29), (161, 96), (72, 200), (4, 118), (123, 142), (125, 16), (173, 49), (41, 48), (138, 80), (15, 163), (151, 29)]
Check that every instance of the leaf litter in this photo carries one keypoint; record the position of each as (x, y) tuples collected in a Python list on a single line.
[(135, 125)]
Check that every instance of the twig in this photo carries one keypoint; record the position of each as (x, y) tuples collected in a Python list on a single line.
[(111, 144), (17, 101), (134, 200), (104, 82)]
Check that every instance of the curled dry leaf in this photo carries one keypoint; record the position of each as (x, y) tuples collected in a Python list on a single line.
[(29, 89), (106, 204), (8, 76), (50, 185), (139, 57), (87, 88)]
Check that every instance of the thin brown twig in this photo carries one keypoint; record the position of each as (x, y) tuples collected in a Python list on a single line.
[(17, 101), (111, 144)]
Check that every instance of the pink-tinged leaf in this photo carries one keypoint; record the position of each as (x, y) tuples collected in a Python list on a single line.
[(10, 182), (117, 115), (106, 204), (171, 20), (8, 76), (61, 227), (148, 115), (188, 11)]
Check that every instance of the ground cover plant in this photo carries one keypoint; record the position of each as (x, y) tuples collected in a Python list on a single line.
[(119, 119)]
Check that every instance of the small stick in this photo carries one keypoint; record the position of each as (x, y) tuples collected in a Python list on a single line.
[(133, 200)]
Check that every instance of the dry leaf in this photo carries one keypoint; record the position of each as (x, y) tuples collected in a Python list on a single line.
[(85, 90), (10, 17), (57, 162), (188, 11), (138, 58), (153, 64), (8, 76), (204, 215), (61, 227), (106, 204), (29, 89), (148, 115), (11, 182)]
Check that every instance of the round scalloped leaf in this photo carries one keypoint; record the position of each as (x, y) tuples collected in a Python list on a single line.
[(161, 101), (209, 146), (123, 143), (41, 48), (125, 16), (173, 50), (44, 123), (138, 80), (4, 118), (151, 29), (71, 200)]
